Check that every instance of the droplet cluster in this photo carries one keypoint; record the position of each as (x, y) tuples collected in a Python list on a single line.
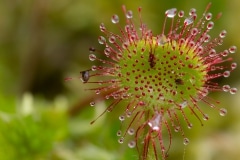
[(160, 76)]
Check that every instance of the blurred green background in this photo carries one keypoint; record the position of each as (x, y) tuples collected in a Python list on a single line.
[(44, 117)]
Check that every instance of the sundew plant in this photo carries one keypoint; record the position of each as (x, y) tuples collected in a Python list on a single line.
[(159, 79)]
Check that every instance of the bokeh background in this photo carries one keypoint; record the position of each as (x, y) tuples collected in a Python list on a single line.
[(42, 116)]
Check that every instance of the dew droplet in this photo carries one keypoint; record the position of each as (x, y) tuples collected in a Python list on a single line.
[(205, 117), (181, 14), (223, 34), (120, 140), (208, 16), (129, 14), (183, 104), (129, 113), (192, 11), (132, 144), (171, 12), (161, 39), (97, 91), (188, 21), (204, 92), (212, 53), (190, 125), (119, 133), (112, 39), (210, 25), (225, 53), (233, 90), (226, 73), (226, 88), (186, 141), (207, 38), (101, 40), (102, 27), (122, 118), (232, 49), (94, 68), (234, 65), (155, 122), (131, 131), (194, 31), (125, 45), (92, 49), (92, 57), (222, 112), (92, 104), (177, 128), (100, 82), (213, 68), (107, 51), (115, 19)]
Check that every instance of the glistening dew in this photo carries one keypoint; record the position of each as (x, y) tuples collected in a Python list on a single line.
[(160, 77)]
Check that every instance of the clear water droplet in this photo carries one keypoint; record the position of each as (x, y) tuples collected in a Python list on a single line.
[(107, 51), (225, 53), (125, 45), (102, 27), (226, 88), (129, 113), (119, 133), (129, 14), (233, 65), (190, 125), (204, 92), (161, 39), (208, 16), (222, 112), (171, 13), (226, 74), (186, 141), (205, 117), (232, 49), (131, 131), (115, 19), (101, 40), (180, 14), (192, 11), (207, 38), (100, 82), (94, 68), (177, 128), (194, 31), (212, 53), (120, 140), (112, 39), (183, 104), (155, 122), (92, 57), (122, 118), (97, 91), (92, 104), (132, 144), (210, 25), (188, 21), (223, 34), (92, 49), (107, 97), (233, 90)]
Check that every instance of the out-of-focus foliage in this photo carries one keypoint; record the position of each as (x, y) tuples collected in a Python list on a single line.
[(43, 41)]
